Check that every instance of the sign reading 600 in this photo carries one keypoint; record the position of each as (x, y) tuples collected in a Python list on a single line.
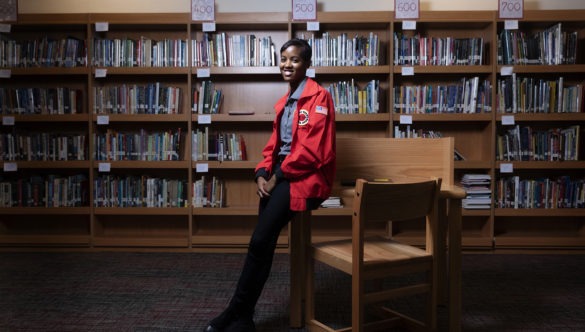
[(406, 9)]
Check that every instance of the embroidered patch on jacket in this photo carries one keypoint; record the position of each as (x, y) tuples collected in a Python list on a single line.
[(303, 117), (321, 110)]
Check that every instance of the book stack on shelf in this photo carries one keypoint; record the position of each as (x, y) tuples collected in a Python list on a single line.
[(523, 94), (142, 52), (208, 192), (332, 202), (58, 100), (206, 99), (551, 46), (348, 98), (528, 144), (139, 191), (518, 192), (467, 96), (418, 50), (343, 50), (140, 145), (206, 145), (152, 98), (477, 188), (237, 50), (45, 191)]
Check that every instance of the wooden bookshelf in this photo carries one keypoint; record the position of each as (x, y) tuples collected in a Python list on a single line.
[(254, 89)]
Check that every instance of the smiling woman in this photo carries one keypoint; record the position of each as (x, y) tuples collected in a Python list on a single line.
[(295, 174)]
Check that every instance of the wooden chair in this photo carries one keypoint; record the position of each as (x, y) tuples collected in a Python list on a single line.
[(370, 259)]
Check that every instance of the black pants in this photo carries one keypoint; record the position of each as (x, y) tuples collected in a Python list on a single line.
[(274, 213)]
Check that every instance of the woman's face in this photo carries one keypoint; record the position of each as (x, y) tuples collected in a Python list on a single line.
[(292, 66)]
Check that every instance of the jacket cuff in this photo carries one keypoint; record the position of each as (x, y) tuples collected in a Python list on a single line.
[(279, 175), (261, 173)]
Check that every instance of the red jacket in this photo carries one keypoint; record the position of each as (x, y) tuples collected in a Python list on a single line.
[(310, 166)]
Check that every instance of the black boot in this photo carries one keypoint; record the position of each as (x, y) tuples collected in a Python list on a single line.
[(221, 322)]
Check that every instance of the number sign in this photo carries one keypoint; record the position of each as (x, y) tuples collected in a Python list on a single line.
[(511, 9), (406, 9), (304, 10), (202, 10)]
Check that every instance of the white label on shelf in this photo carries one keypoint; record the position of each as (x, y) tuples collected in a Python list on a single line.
[(204, 119), (408, 25), (510, 9), (406, 119), (406, 9), (203, 72), (311, 72), (102, 26), (313, 26), (506, 168), (507, 120), (506, 70), (208, 26), (103, 119), (511, 25), (202, 167), (101, 72), (104, 167), (5, 73), (407, 71), (304, 10), (10, 167), (8, 120), (202, 10), (5, 28)]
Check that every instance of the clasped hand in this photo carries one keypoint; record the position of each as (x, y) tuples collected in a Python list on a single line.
[(265, 186)]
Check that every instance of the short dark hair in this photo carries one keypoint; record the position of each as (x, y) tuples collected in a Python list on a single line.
[(306, 51)]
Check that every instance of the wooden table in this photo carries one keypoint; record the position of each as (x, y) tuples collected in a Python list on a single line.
[(448, 256)]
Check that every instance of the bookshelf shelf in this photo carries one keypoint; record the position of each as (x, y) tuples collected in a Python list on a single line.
[(249, 93)]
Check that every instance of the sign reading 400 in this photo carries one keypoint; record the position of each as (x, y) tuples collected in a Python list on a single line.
[(202, 10)]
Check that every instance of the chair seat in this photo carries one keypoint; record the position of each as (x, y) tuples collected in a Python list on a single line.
[(378, 251)]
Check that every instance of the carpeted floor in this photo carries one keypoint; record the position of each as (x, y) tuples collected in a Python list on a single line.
[(107, 291)]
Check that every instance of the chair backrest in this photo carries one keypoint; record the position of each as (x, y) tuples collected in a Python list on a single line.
[(395, 158), (388, 201)]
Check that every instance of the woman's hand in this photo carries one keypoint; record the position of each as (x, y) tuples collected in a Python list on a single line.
[(265, 187)]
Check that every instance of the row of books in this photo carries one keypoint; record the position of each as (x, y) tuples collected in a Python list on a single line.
[(417, 50), (540, 193), (208, 145), (237, 50), (348, 98), (529, 144), (206, 99), (344, 50), (478, 194), (42, 146), (139, 191), (57, 100), (468, 96), (45, 191), (142, 145), (538, 95), (152, 98), (208, 192), (410, 132), (551, 46), (45, 52), (143, 52)]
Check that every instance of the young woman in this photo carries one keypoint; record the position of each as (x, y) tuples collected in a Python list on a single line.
[(296, 174)]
